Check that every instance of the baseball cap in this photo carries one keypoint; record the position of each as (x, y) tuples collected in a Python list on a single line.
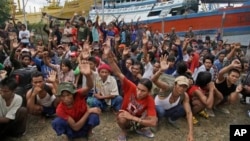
[(96, 47), (182, 80), (73, 54), (66, 86), (60, 46), (25, 50)]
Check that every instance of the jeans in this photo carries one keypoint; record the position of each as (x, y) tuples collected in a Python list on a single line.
[(48, 111), (116, 103), (61, 126), (173, 113)]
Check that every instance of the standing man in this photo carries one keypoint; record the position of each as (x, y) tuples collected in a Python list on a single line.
[(82, 30), (24, 35)]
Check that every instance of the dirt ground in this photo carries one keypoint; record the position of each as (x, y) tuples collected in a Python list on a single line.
[(214, 129)]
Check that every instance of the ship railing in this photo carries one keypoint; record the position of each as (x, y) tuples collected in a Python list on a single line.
[(135, 8)]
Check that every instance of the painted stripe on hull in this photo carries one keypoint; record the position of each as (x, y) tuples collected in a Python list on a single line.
[(201, 23)]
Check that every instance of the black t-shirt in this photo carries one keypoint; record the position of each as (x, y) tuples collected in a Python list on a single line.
[(224, 89)]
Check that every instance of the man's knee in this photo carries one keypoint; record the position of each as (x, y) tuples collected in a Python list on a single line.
[(160, 111), (59, 122), (93, 120), (22, 113)]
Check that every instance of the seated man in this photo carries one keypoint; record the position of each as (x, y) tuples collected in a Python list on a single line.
[(13, 117), (107, 93), (75, 119), (41, 99)]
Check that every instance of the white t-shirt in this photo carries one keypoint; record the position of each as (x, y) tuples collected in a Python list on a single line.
[(67, 31), (165, 102), (109, 87), (10, 111), (26, 34), (148, 70), (47, 101)]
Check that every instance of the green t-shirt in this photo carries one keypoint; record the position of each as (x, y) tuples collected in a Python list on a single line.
[(82, 33), (77, 71), (1, 66)]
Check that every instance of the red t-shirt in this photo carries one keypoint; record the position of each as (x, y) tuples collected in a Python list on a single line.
[(76, 111), (144, 107), (116, 30), (191, 90)]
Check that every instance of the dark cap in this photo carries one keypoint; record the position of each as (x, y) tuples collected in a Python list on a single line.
[(66, 86)]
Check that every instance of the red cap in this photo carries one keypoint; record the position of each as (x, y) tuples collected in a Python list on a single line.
[(73, 54), (104, 66)]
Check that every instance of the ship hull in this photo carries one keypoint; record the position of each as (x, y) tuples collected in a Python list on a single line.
[(234, 21)]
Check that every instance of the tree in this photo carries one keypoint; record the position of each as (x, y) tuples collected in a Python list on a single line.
[(4, 11)]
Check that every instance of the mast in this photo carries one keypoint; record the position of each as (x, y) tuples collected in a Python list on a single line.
[(24, 15), (19, 6), (102, 10)]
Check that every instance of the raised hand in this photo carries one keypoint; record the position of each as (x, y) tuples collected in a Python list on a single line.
[(55, 38), (52, 76), (11, 37), (85, 68), (50, 39), (239, 88), (178, 41), (163, 63), (108, 42), (85, 54), (125, 51), (86, 46), (106, 49), (236, 63), (15, 45), (144, 39), (117, 38)]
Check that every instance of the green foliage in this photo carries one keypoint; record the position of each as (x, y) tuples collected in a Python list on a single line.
[(4, 11)]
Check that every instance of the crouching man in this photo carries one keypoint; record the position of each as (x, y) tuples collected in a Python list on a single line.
[(75, 119), (106, 90), (41, 99), (13, 117)]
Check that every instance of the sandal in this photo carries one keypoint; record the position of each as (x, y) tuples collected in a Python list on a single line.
[(121, 138), (145, 132)]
